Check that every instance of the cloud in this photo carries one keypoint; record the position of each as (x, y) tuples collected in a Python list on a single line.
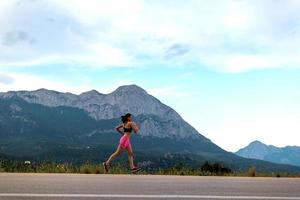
[(15, 81), (176, 50), (173, 91), (265, 127), (14, 37), (228, 36), (5, 79)]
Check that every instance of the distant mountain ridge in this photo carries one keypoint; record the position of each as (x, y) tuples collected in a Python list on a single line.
[(258, 150), (64, 127), (99, 106), (129, 98)]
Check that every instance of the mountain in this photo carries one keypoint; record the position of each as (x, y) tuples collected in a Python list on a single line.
[(124, 99), (258, 150), (64, 127)]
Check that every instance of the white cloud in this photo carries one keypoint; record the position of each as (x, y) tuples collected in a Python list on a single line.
[(173, 91), (31, 82), (5, 79), (239, 131), (230, 36)]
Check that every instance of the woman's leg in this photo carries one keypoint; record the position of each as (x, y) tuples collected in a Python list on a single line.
[(130, 156), (114, 155)]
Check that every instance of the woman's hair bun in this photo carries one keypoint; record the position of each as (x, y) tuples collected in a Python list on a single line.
[(124, 118)]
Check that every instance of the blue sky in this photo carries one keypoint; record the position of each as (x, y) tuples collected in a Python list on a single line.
[(230, 68)]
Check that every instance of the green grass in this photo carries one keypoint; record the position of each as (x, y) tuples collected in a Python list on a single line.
[(207, 169)]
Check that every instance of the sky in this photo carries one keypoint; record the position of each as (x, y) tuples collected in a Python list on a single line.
[(230, 68)]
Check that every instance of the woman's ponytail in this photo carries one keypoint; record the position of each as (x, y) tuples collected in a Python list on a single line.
[(124, 119)]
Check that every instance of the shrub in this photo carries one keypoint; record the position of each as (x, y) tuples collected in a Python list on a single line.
[(252, 172), (214, 169)]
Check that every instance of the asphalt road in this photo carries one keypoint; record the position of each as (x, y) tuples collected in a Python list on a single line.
[(81, 186)]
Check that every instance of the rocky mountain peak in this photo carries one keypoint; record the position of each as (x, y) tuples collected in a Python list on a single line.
[(257, 143), (133, 89), (256, 149), (44, 90), (91, 93), (259, 150), (127, 98)]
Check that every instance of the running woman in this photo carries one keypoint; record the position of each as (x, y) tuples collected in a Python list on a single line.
[(128, 126)]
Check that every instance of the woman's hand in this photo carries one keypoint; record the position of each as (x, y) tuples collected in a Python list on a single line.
[(135, 127), (118, 129)]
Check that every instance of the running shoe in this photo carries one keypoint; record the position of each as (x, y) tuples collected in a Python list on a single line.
[(135, 169), (105, 166)]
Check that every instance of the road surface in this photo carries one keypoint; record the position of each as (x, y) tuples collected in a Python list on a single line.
[(81, 186)]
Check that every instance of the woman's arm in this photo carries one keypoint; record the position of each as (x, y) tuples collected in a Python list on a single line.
[(118, 129), (135, 127)]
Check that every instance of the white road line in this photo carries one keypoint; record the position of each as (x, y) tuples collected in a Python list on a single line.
[(146, 196)]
